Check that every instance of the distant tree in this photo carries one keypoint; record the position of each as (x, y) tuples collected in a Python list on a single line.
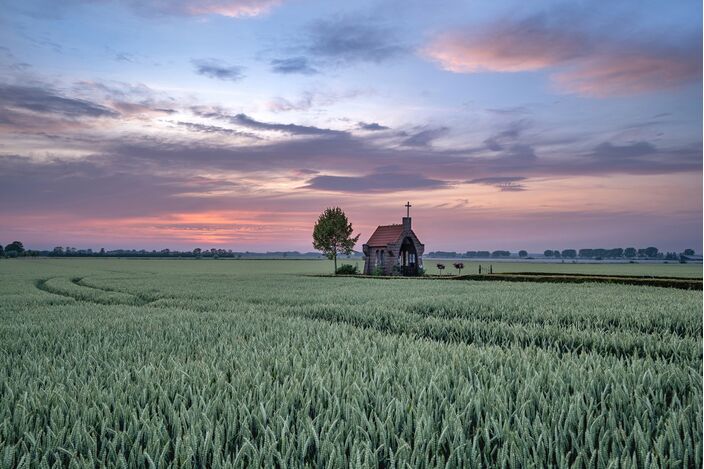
[(522, 253), (15, 246), (615, 253), (2, 251), (556, 253), (459, 266), (688, 252), (569, 253), (500, 254), (483, 254), (630, 252), (102, 251), (599, 253), (548, 253), (445, 254), (332, 234), (651, 251), (197, 252), (440, 267)]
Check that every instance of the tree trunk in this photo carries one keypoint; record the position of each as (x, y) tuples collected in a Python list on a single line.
[(334, 258)]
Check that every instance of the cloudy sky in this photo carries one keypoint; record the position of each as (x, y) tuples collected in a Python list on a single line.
[(233, 123)]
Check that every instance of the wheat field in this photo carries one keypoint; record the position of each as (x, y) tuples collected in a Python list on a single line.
[(185, 363)]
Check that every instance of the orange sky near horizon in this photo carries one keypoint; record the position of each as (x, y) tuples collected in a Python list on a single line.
[(488, 216)]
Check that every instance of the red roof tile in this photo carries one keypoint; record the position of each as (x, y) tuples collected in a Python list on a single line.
[(385, 234)]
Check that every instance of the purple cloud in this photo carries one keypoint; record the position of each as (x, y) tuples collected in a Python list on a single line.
[(425, 137), (588, 63), (350, 39), (373, 126), (378, 182), (292, 65), (213, 68), (37, 99)]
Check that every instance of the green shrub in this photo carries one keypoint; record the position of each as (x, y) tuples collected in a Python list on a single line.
[(347, 269)]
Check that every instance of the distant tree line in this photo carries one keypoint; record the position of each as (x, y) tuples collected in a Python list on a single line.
[(199, 253), (469, 254), (650, 252), (17, 249), (596, 254)]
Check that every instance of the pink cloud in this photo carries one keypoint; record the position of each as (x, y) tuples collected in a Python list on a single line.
[(629, 72), (234, 8), (578, 63), (230, 8), (525, 46)]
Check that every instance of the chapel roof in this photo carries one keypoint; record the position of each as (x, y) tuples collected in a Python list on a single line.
[(385, 234)]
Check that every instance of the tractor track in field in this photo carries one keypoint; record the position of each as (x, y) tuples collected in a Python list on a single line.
[(41, 285), (481, 337), (109, 296)]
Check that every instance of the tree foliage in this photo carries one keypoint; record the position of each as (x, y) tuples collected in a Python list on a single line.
[(651, 251), (332, 234), (15, 246), (569, 253), (500, 253)]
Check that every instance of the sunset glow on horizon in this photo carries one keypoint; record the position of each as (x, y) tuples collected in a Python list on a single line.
[(233, 123)]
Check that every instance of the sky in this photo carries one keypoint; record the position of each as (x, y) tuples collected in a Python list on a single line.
[(233, 123)]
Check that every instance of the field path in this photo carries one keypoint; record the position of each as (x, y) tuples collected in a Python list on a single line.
[(78, 290)]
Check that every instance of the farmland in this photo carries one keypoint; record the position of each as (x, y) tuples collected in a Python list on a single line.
[(569, 267), (187, 363)]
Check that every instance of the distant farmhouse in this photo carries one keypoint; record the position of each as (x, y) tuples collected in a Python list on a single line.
[(394, 249)]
